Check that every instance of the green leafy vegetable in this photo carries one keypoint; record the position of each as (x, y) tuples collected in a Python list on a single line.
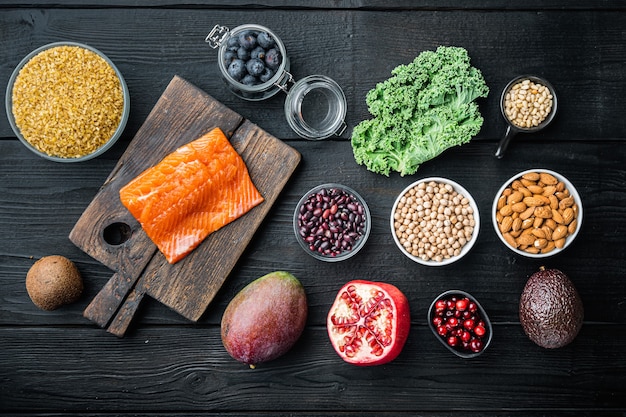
[(425, 108)]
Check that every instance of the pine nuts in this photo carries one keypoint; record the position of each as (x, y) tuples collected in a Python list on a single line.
[(433, 222), (527, 104), (541, 221)]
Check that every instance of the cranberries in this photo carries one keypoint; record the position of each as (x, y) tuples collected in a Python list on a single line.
[(458, 321)]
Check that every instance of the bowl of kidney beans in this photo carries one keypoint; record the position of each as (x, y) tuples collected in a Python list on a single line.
[(332, 222), (460, 323)]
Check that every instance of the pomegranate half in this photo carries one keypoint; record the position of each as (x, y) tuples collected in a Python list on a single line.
[(369, 322)]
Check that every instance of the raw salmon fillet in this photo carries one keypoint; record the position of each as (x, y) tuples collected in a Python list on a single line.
[(191, 193)]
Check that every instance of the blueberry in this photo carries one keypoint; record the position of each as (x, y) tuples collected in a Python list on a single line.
[(266, 75), (249, 80), (243, 54), (255, 66), (247, 40), (233, 42), (237, 69), (258, 52), (265, 40), (229, 56), (273, 58)]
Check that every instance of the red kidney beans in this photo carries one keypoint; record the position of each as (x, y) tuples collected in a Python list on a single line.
[(331, 221)]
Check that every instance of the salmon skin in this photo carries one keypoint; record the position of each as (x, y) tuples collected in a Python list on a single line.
[(194, 191)]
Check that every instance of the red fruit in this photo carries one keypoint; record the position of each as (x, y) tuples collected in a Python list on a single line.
[(461, 305), (369, 322), (265, 319), (466, 336), (476, 345), (480, 331)]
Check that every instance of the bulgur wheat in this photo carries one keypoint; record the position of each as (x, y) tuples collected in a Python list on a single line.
[(67, 101)]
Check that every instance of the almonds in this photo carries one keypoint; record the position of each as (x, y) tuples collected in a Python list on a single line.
[(536, 213)]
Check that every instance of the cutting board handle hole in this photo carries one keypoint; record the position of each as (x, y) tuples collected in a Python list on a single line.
[(117, 233)]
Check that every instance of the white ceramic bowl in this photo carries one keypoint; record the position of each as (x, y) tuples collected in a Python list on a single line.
[(447, 221), (572, 191), (104, 147)]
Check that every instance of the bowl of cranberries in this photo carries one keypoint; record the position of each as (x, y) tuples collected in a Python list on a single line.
[(460, 323)]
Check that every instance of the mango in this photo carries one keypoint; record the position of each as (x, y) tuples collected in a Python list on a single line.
[(265, 319)]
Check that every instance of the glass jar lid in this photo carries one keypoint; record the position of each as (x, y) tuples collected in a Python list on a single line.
[(316, 108)]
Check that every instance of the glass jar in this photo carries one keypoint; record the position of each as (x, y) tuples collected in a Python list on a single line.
[(220, 37), (315, 106)]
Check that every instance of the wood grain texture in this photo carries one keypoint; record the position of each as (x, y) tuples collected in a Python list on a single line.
[(183, 370), (580, 51), (59, 363)]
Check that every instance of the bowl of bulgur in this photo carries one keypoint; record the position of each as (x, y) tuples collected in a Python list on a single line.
[(67, 102), (435, 221)]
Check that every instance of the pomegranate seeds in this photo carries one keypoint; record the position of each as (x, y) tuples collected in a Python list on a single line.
[(460, 323)]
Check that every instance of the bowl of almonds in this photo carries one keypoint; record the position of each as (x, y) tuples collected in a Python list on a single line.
[(537, 213)]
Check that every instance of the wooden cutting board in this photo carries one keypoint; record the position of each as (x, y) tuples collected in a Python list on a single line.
[(108, 232)]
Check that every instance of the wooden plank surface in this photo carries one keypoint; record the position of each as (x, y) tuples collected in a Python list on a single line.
[(579, 51), (59, 363)]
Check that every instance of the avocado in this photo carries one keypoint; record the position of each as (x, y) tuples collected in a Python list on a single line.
[(550, 309)]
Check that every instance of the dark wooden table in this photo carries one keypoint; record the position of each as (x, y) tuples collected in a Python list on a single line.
[(54, 363)]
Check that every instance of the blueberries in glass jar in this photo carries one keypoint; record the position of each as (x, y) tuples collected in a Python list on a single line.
[(251, 57), (265, 40), (273, 58), (255, 67), (237, 69), (247, 39)]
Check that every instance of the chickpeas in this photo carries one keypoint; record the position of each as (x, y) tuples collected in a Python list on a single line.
[(527, 104), (433, 222)]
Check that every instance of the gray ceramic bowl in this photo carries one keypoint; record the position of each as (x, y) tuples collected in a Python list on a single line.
[(459, 350), (107, 145)]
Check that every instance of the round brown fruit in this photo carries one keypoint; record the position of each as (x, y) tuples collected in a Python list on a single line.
[(53, 281)]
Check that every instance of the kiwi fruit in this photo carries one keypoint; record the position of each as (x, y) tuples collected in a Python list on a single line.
[(53, 281)]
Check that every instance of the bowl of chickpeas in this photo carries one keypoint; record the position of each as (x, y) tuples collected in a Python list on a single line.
[(435, 221)]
